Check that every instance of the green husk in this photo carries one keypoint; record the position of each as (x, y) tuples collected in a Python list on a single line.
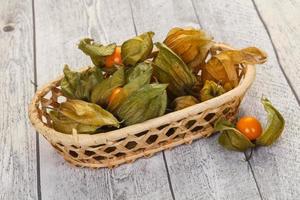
[(66, 125), (274, 127), (102, 91), (147, 103), (80, 115), (169, 68), (231, 138), (137, 49), (87, 113), (136, 78), (78, 85), (211, 90), (96, 51)]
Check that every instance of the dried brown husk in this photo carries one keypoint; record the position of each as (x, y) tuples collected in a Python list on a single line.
[(191, 45), (223, 67)]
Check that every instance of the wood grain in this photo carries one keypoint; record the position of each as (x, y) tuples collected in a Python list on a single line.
[(277, 168), (18, 174), (60, 25), (284, 29), (202, 170)]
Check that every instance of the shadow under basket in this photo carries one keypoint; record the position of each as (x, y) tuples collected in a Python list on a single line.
[(125, 145)]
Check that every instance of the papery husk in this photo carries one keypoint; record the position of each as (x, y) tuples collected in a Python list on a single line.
[(96, 51), (191, 45), (136, 78), (102, 91), (78, 85), (274, 126), (211, 90), (137, 49), (231, 138), (223, 67), (81, 116), (183, 102), (170, 69), (87, 113), (147, 103), (66, 125)]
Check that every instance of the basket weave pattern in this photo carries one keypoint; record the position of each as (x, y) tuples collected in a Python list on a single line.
[(127, 144)]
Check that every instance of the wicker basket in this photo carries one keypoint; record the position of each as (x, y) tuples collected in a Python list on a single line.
[(125, 145)]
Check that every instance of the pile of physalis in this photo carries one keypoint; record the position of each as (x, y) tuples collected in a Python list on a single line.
[(134, 82)]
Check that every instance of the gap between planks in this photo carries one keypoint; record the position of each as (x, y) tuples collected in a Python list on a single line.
[(249, 164), (253, 174), (163, 152), (39, 194), (275, 51)]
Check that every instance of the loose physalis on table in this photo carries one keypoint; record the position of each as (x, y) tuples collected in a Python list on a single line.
[(248, 131)]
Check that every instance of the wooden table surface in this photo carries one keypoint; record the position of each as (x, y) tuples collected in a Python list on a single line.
[(38, 36)]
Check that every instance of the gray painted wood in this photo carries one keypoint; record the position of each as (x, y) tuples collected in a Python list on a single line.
[(18, 173), (277, 168), (59, 27), (282, 19), (203, 170)]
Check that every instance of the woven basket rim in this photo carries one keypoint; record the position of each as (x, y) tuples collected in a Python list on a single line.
[(107, 137)]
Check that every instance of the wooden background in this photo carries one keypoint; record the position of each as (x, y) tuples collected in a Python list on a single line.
[(38, 36)]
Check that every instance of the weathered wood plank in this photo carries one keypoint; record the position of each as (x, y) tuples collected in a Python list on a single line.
[(282, 19), (18, 173), (202, 170), (60, 24), (277, 168)]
